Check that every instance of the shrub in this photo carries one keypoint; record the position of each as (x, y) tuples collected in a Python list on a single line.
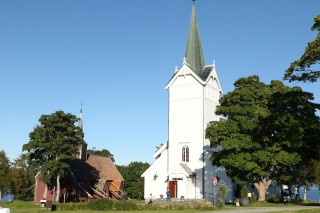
[(181, 208), (253, 198), (274, 200), (220, 203), (243, 192), (125, 206), (100, 205), (71, 206), (223, 192)]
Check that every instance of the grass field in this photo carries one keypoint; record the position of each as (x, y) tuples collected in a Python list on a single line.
[(29, 207), (18, 206)]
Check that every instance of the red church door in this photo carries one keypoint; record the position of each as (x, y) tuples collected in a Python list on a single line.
[(173, 186)]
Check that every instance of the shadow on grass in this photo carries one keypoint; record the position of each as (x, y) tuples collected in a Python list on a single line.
[(310, 204)]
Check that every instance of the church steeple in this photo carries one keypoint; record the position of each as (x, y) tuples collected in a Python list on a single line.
[(194, 55), (80, 123), (82, 152)]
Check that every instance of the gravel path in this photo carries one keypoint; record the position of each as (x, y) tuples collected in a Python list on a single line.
[(267, 209)]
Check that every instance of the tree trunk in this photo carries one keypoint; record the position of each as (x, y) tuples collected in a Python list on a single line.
[(262, 187), (58, 189), (297, 193)]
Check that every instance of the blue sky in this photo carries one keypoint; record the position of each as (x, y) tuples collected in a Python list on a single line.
[(117, 56)]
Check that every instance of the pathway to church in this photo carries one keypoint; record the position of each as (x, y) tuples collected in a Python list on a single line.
[(269, 209)]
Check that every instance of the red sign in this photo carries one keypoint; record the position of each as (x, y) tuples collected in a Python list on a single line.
[(215, 181)]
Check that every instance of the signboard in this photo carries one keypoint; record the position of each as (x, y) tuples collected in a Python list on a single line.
[(215, 181)]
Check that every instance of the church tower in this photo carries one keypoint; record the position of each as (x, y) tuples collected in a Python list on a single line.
[(183, 164)]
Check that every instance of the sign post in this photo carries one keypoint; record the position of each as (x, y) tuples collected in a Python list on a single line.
[(215, 183)]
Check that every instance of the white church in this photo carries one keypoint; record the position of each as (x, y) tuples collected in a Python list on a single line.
[(183, 163)]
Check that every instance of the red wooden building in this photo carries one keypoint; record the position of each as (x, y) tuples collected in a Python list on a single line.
[(94, 177), (88, 177)]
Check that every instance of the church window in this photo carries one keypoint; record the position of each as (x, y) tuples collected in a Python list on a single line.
[(185, 154)]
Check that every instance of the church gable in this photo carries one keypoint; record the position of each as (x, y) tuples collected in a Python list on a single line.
[(184, 73), (182, 76), (213, 80), (213, 89)]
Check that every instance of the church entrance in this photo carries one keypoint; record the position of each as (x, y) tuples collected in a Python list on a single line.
[(173, 187)]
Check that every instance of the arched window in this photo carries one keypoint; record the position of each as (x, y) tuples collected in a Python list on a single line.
[(185, 154)]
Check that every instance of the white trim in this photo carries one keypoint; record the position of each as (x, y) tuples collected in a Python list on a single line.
[(183, 71), (160, 150)]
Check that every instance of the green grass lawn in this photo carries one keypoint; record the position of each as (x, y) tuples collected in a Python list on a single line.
[(23, 207), (18, 206)]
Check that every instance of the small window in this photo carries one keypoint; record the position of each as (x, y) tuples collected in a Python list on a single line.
[(185, 154)]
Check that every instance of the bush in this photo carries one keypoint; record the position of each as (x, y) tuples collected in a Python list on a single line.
[(103, 205), (220, 203), (223, 192), (244, 192), (181, 208), (274, 200), (124, 206), (71, 206), (253, 198), (100, 205)]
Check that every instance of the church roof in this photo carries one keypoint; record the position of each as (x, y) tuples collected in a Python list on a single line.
[(205, 73), (83, 172), (186, 168), (194, 55), (105, 166), (94, 169)]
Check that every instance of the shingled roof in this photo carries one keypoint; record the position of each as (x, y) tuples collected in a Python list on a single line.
[(83, 171), (105, 166), (95, 169)]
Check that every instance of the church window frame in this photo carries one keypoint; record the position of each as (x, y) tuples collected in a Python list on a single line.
[(185, 154)]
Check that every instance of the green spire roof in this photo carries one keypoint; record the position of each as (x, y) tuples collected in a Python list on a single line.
[(194, 55)]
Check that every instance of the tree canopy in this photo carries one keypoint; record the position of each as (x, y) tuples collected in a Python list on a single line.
[(18, 176), (134, 183), (265, 133), (53, 143), (4, 172), (103, 152), (307, 67), (22, 177)]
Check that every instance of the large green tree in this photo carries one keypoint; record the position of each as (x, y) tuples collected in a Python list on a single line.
[(4, 172), (307, 67), (293, 119), (22, 177), (53, 144), (262, 137), (103, 152), (134, 183)]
